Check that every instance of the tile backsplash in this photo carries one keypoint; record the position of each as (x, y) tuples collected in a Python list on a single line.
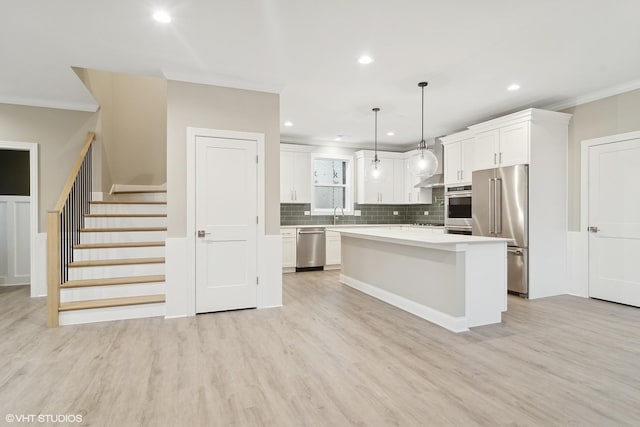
[(293, 213)]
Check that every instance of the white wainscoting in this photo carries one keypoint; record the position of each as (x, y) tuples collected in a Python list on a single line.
[(15, 240)]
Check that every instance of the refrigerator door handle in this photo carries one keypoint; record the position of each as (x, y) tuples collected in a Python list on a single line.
[(497, 206), (492, 196)]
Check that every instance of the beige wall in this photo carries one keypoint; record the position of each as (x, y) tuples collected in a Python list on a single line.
[(60, 135), (607, 116), (193, 105), (133, 126)]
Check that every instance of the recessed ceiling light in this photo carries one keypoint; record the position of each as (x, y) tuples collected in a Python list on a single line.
[(288, 124), (162, 16), (339, 137), (365, 59), (513, 87), (390, 133)]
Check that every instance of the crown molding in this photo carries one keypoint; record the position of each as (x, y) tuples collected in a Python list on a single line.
[(594, 96), (49, 103)]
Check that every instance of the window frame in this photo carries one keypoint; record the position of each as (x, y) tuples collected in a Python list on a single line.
[(349, 185)]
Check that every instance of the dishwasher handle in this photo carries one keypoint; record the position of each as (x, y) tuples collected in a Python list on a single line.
[(310, 232)]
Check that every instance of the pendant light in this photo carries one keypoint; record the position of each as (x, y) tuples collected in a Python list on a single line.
[(375, 172), (424, 163)]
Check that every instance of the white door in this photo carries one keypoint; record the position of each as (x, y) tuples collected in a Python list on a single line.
[(302, 178), (467, 157), (286, 177), (614, 221), (486, 150), (226, 217), (452, 163)]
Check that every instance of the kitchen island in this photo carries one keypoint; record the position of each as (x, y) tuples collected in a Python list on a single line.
[(454, 281)]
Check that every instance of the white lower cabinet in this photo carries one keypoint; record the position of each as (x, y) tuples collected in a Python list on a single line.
[(288, 247), (333, 248)]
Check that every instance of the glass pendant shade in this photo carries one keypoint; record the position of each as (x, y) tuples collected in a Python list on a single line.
[(423, 164), (375, 172)]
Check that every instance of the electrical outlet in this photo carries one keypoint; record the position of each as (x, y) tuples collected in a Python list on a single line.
[(426, 213), (307, 212), (395, 212), (357, 213)]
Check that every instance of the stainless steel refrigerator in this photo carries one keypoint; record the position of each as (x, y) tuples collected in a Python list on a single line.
[(500, 208)]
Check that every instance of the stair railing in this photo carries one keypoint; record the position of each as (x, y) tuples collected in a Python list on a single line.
[(64, 223)]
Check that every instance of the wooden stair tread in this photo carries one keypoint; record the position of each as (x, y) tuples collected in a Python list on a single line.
[(113, 281), (125, 202), (111, 302), (110, 262), (119, 230), (138, 191), (150, 215), (118, 245)]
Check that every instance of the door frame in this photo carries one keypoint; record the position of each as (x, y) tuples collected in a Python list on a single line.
[(584, 197), (35, 290), (192, 134)]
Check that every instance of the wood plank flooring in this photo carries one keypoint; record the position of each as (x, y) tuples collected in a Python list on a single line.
[(330, 357)]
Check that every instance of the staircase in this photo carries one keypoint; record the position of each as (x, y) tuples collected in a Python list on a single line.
[(118, 268)]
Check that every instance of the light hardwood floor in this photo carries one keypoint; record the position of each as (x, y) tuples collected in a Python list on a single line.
[(330, 357)]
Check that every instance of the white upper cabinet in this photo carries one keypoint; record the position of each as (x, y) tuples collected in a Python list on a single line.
[(295, 177), (391, 188), (458, 157), (503, 146), (412, 195)]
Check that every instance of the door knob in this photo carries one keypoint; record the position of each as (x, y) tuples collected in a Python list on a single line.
[(593, 229), (202, 233)]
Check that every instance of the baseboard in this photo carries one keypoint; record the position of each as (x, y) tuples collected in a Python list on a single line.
[(452, 323), (107, 314)]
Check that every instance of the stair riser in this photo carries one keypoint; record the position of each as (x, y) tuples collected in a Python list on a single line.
[(116, 291), (118, 253), (128, 209), (138, 197), (125, 222), (76, 317), (122, 236), (107, 272)]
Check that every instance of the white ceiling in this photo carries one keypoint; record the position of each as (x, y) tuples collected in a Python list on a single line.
[(469, 51)]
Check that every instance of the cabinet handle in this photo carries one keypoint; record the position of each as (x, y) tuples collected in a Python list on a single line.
[(495, 157), (295, 194), (461, 175), (500, 157)]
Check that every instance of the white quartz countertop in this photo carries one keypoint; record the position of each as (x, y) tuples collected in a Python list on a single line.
[(439, 227), (415, 237)]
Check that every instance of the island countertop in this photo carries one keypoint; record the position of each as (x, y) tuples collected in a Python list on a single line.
[(416, 237)]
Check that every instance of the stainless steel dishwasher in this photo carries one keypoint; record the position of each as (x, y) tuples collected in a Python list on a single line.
[(310, 249)]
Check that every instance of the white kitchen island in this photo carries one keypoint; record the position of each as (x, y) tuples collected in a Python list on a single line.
[(454, 281)]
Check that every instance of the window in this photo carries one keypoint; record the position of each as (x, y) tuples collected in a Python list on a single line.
[(331, 184)]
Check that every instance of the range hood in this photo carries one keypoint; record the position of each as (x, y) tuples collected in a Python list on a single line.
[(437, 179)]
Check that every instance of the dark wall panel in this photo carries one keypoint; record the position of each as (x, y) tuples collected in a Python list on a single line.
[(14, 173)]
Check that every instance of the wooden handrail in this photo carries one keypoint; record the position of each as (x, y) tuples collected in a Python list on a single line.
[(74, 172), (63, 225)]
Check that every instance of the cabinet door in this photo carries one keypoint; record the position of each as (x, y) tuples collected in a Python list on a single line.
[(288, 247), (486, 150), (286, 177), (302, 177), (368, 191), (333, 254), (398, 181), (386, 186), (467, 157), (452, 161), (514, 144)]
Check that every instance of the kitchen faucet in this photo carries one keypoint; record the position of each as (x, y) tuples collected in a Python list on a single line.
[(335, 215)]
